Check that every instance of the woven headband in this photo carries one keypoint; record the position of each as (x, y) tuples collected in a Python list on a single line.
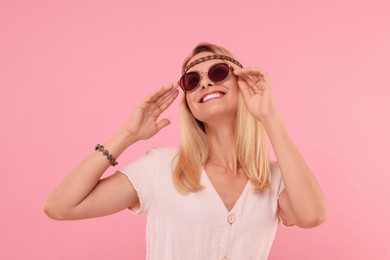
[(213, 57)]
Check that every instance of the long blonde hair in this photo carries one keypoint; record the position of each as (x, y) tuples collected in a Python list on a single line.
[(194, 149)]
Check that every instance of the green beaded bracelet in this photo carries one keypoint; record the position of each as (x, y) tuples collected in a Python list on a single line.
[(105, 152)]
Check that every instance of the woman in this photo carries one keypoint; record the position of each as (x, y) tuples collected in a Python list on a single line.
[(217, 196)]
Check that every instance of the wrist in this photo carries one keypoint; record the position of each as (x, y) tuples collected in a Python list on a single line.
[(125, 137), (119, 142), (272, 123)]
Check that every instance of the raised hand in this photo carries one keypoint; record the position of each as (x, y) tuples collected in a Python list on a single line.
[(257, 91), (143, 123), (84, 193)]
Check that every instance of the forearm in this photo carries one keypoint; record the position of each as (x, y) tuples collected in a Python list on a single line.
[(82, 179), (303, 191)]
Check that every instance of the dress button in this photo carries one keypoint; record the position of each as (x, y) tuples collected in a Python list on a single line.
[(225, 258), (231, 219)]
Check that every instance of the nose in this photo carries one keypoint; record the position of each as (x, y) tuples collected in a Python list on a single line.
[(205, 81)]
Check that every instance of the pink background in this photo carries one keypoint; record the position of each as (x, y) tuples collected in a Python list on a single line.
[(72, 71)]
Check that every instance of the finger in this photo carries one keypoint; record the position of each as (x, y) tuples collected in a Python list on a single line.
[(168, 101), (249, 81), (153, 97), (254, 72), (172, 88), (245, 83), (262, 81), (255, 80), (244, 90), (163, 123)]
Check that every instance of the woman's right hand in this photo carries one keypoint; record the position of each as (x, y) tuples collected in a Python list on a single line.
[(143, 124)]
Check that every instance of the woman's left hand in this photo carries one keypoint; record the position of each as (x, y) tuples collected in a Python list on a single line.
[(257, 91)]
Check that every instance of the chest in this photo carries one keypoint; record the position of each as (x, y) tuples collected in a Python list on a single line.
[(206, 209), (227, 185), (201, 220)]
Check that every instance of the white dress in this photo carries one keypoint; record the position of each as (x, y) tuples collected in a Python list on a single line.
[(198, 225)]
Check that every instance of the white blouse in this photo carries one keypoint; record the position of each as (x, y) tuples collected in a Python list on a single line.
[(198, 225)]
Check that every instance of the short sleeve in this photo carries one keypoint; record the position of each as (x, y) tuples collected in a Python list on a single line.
[(276, 172), (281, 187), (276, 177), (141, 173)]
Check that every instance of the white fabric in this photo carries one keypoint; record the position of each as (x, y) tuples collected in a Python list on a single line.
[(196, 226)]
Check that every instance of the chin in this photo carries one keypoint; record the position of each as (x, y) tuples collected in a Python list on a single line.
[(214, 114)]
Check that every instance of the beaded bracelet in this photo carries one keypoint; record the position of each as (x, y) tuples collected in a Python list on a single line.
[(112, 160)]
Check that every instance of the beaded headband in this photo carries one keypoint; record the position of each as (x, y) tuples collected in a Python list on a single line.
[(213, 57)]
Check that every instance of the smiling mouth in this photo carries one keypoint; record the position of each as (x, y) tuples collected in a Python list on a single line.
[(211, 96)]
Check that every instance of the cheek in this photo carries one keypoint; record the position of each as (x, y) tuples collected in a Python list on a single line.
[(190, 98), (194, 110), (189, 101), (234, 91), (234, 85)]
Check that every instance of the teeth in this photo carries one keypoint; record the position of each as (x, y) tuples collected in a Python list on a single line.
[(210, 96)]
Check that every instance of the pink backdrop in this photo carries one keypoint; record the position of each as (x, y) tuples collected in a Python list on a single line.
[(72, 71)]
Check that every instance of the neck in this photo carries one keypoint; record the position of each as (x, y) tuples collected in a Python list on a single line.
[(222, 141)]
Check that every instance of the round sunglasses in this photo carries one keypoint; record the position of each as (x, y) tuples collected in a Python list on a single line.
[(217, 73)]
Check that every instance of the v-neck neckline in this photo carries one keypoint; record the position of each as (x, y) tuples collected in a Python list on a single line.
[(218, 198)]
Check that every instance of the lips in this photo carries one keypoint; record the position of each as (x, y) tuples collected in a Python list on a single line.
[(211, 95)]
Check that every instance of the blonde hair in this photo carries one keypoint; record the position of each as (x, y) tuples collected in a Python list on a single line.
[(194, 149)]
